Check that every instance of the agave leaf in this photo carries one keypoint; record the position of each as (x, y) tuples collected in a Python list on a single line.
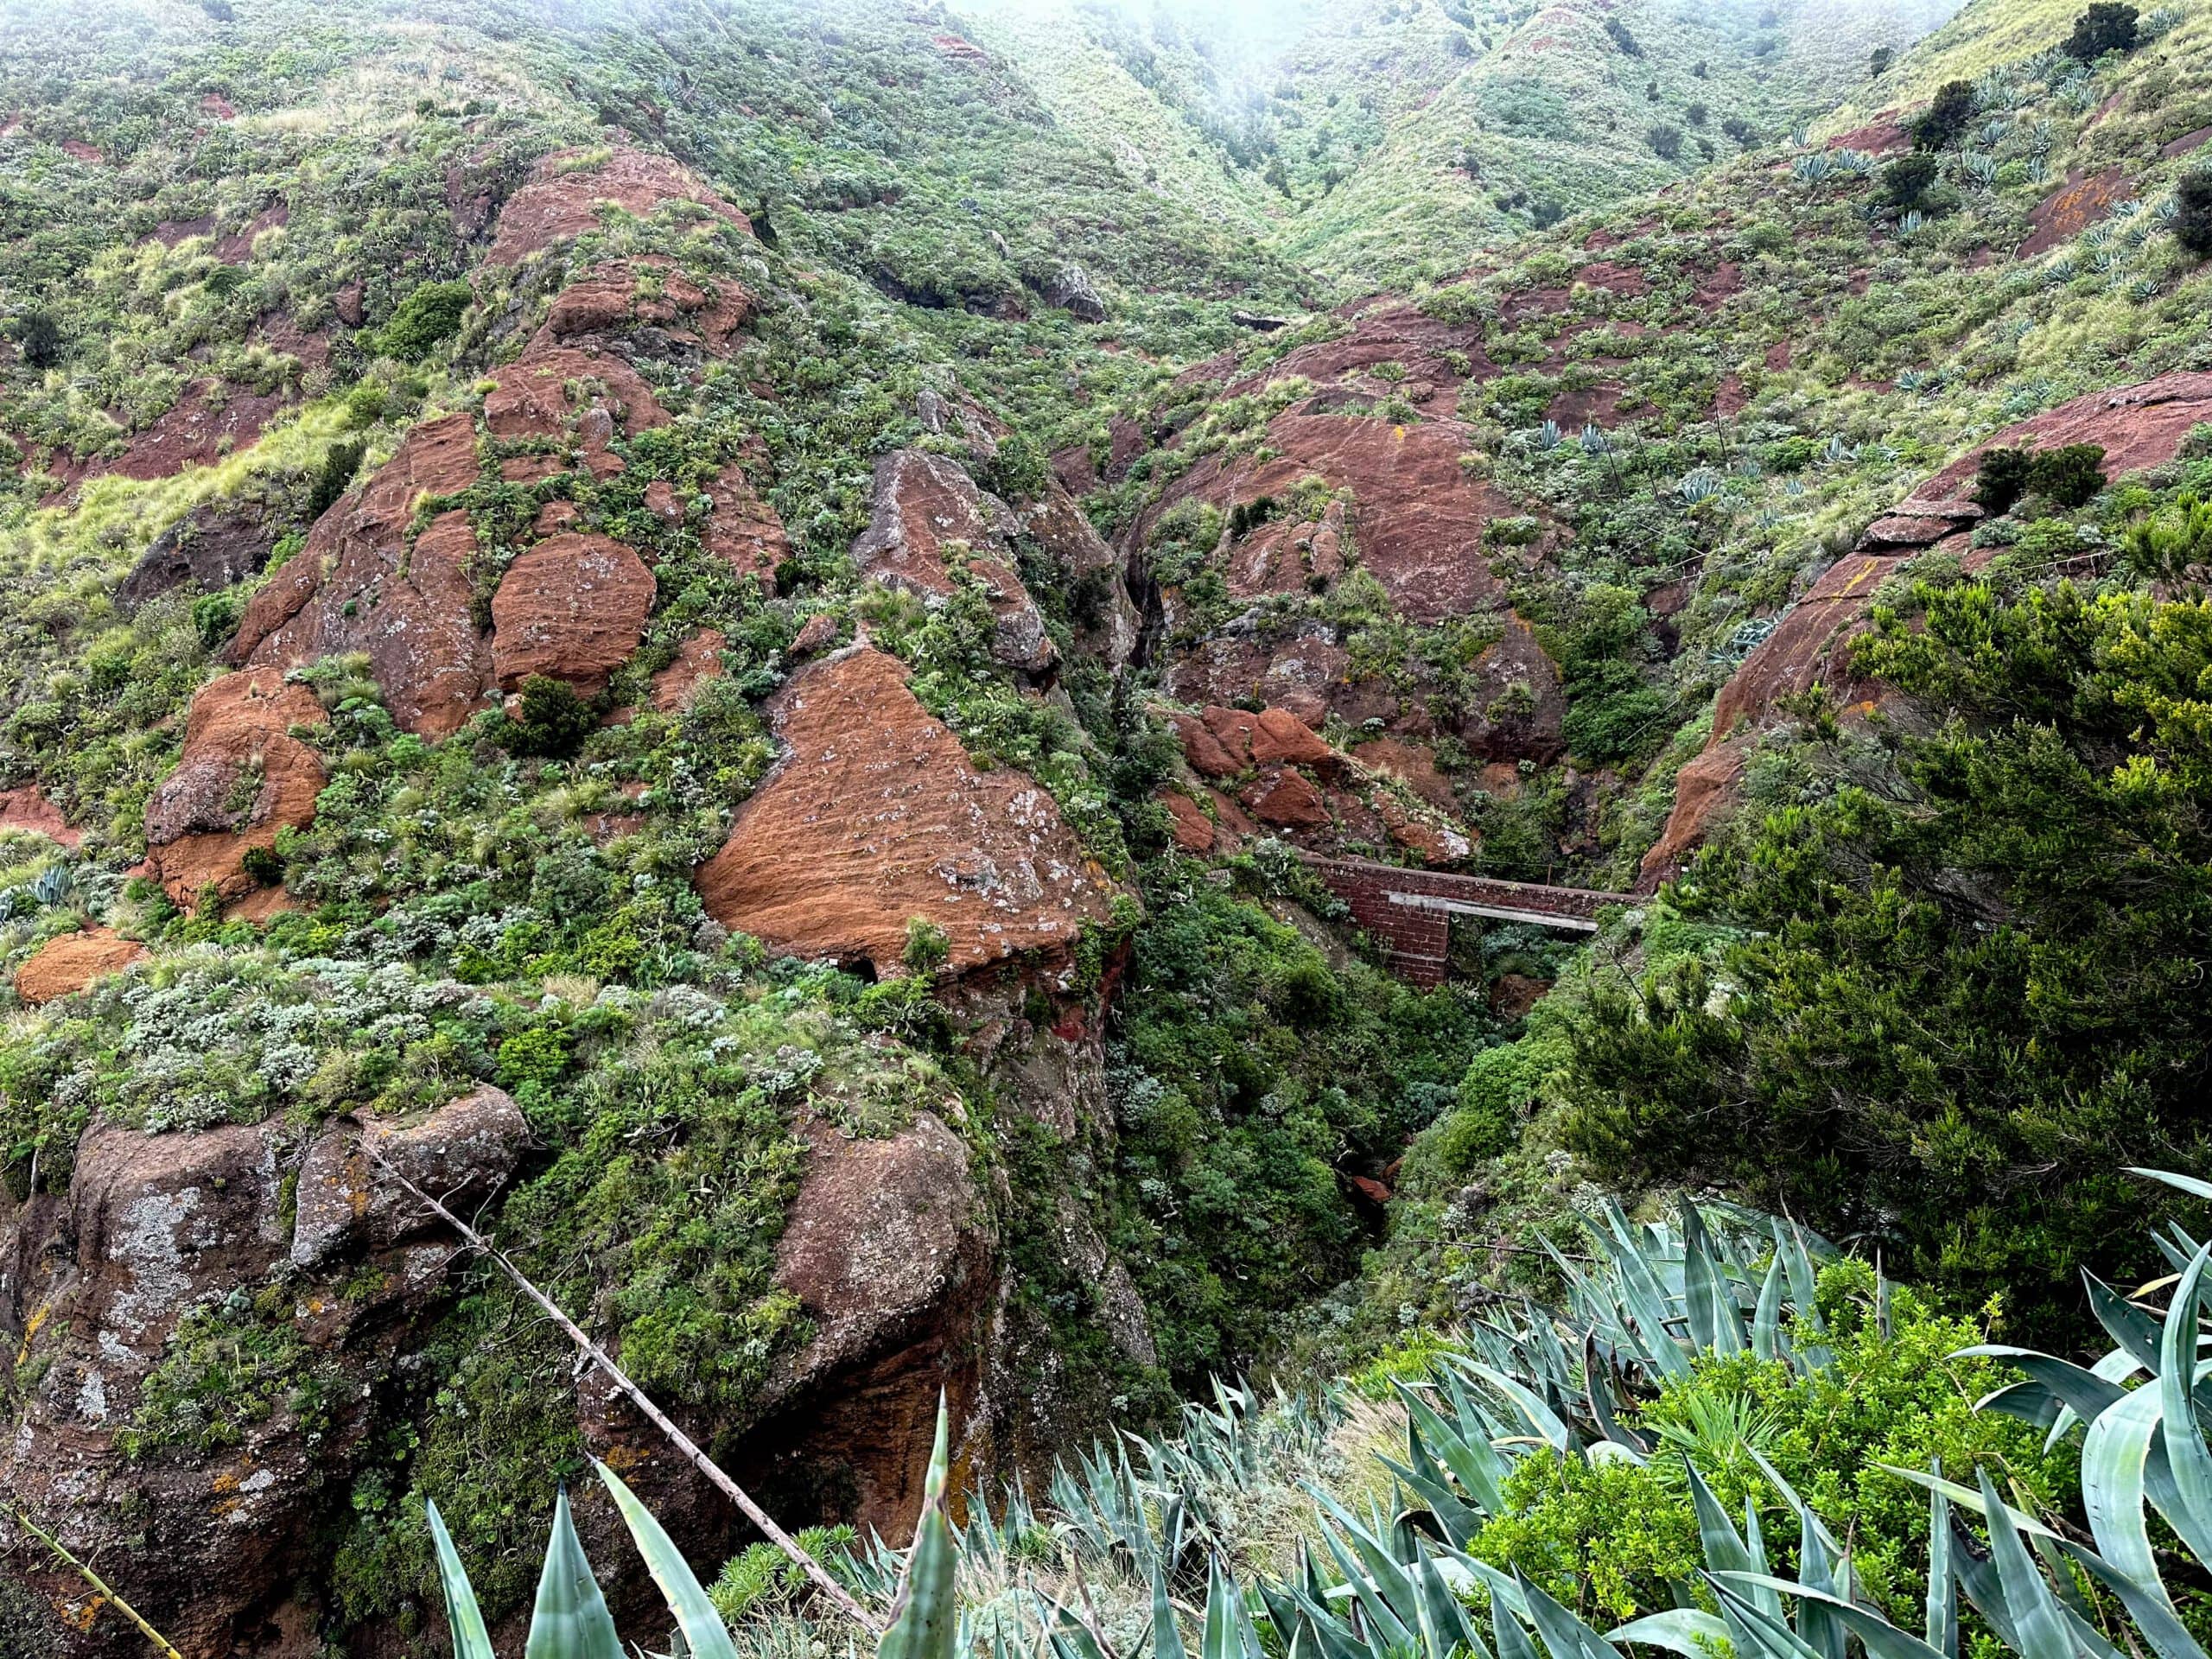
[(1565, 1635), (1475, 1462), (1459, 1523), (1389, 1578), (2152, 1614), (1966, 1497), (2113, 1458), (1766, 1317), (466, 1620), (1881, 1639), (1166, 1635), (2036, 1617), (2085, 1392), (924, 1617), (1445, 1630), (2187, 1459), (1545, 1421), (1942, 1577), (2132, 1328), (1749, 1621), (570, 1620), (2188, 1184), (695, 1615), (1389, 1629), (1689, 1631)]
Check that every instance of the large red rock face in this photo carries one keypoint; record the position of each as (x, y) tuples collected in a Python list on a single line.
[(1400, 505), (566, 197), (876, 815), (573, 607), (241, 778), (923, 505), (1418, 518), (357, 586), (2138, 426), (891, 1251)]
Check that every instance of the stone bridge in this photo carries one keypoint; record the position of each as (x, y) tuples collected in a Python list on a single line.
[(1410, 911)]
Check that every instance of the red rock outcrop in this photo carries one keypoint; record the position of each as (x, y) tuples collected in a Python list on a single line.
[(573, 607), (650, 293), (358, 587), (67, 963), (2073, 207), (241, 777), (2138, 426), (743, 528), (922, 506), (566, 195), (891, 1252), (1417, 514), (209, 1538), (462, 1153), (26, 811), (570, 392), (876, 815), (698, 659)]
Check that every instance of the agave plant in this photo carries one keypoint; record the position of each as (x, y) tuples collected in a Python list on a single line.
[(1814, 167)]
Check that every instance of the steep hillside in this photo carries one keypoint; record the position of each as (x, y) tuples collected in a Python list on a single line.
[(717, 632), (1386, 141)]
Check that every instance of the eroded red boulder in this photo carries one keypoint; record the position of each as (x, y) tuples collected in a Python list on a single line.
[(572, 607), (876, 815), (241, 777)]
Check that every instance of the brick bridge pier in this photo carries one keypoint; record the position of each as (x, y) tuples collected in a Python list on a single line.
[(1410, 911)]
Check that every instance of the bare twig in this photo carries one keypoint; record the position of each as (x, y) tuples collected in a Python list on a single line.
[(162, 1643), (660, 1419)]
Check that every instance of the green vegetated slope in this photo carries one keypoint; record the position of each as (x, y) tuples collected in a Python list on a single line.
[(1936, 980), (1926, 984), (1389, 140)]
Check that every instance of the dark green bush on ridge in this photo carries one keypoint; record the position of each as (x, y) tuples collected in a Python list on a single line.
[(2067, 477), (2193, 214), (429, 314), (1945, 118), (2106, 26), (1967, 993)]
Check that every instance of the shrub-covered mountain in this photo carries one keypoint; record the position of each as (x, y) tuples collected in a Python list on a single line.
[(715, 632), (1384, 141)]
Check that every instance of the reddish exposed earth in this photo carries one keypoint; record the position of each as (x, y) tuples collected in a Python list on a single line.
[(876, 815), (241, 777), (571, 608), (2073, 207), (566, 196), (70, 962), (928, 518)]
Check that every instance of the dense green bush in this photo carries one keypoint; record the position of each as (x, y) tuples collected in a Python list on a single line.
[(1946, 117), (1252, 1078), (1966, 992), (1612, 1539), (2193, 214), (2108, 26)]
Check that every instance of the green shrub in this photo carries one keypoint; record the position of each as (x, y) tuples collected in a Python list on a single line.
[(2002, 478), (431, 314), (1945, 118), (2105, 27), (1965, 1002), (1906, 181), (552, 720), (2193, 214), (2068, 476)]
